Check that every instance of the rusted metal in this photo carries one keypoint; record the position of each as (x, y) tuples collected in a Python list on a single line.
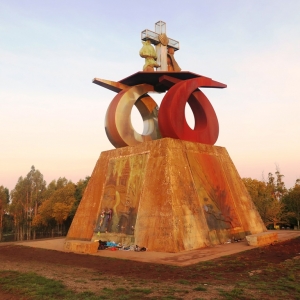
[(118, 125), (111, 85), (154, 78), (171, 118)]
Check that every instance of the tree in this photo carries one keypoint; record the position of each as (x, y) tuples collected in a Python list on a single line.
[(261, 196), (276, 185), (63, 200), (18, 208), (35, 206), (292, 203), (267, 196), (58, 205), (26, 197), (80, 189), (4, 201), (36, 188)]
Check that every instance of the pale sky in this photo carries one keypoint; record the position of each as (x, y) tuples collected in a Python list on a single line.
[(52, 115)]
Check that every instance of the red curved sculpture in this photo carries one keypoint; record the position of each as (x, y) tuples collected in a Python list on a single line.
[(171, 117)]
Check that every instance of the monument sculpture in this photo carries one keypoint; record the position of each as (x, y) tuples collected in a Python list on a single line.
[(167, 189)]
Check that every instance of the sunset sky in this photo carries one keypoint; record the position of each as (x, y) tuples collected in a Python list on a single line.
[(52, 115)]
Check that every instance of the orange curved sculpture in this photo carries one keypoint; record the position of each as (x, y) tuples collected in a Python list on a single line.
[(118, 127)]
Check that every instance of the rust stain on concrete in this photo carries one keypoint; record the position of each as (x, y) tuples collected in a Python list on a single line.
[(166, 195)]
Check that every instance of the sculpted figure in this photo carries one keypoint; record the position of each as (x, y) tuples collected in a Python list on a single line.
[(171, 62), (148, 52), (102, 217)]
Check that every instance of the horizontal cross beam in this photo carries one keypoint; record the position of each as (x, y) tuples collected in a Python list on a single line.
[(153, 37)]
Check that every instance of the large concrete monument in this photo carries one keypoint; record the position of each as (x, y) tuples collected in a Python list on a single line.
[(167, 189)]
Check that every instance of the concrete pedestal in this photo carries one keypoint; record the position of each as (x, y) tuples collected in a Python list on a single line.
[(262, 239), (166, 195), (81, 247)]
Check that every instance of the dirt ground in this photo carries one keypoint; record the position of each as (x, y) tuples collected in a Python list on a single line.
[(89, 272)]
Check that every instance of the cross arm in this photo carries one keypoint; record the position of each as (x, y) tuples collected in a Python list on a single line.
[(153, 37)]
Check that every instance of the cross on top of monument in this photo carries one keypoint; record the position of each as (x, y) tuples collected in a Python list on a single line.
[(162, 43), (154, 37)]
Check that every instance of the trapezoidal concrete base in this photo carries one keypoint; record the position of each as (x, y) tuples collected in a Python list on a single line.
[(166, 195)]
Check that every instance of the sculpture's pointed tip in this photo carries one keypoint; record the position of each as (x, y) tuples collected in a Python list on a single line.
[(111, 85)]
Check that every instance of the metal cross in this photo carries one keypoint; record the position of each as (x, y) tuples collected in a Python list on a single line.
[(161, 42)]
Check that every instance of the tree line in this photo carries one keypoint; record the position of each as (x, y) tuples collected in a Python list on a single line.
[(277, 205), (34, 209)]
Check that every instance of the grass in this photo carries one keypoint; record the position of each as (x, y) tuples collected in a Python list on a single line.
[(33, 285), (200, 288), (268, 281), (141, 291), (183, 281), (234, 294)]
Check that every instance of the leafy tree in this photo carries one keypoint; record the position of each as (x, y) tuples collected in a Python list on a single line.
[(267, 196), (260, 195), (292, 203), (276, 185), (4, 201), (26, 197), (43, 216), (35, 206), (80, 189), (18, 207), (36, 186), (63, 200), (58, 205)]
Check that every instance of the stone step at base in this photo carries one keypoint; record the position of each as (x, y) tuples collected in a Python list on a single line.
[(262, 239), (81, 246)]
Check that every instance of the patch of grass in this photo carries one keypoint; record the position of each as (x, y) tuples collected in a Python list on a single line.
[(183, 281), (96, 279), (118, 293), (182, 291), (193, 276), (234, 294), (33, 285), (37, 287), (108, 291), (207, 263), (120, 289), (242, 284), (141, 291), (291, 277), (80, 281), (86, 295), (200, 288)]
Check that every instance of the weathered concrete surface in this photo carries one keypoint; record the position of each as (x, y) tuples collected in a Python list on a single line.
[(168, 195), (81, 246), (261, 239)]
